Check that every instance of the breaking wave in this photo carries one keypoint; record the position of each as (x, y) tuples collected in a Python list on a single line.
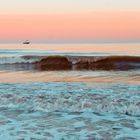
[(59, 62), (19, 59)]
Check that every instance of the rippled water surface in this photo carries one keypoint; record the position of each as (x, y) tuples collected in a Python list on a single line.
[(68, 105), (69, 111)]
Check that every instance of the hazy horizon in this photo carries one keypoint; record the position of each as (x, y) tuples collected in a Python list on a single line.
[(88, 41)]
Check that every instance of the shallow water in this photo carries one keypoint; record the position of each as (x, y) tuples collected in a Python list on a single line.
[(69, 111)]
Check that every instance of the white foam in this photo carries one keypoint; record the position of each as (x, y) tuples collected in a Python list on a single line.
[(18, 59)]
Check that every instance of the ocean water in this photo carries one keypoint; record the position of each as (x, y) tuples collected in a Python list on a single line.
[(67, 105), (63, 110)]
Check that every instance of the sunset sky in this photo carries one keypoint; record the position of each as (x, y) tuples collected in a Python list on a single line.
[(70, 20)]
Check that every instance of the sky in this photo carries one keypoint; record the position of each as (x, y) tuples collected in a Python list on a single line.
[(70, 20)]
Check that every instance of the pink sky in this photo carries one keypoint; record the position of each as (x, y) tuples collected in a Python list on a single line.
[(105, 25)]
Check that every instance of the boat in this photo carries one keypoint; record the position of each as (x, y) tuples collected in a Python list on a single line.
[(26, 42)]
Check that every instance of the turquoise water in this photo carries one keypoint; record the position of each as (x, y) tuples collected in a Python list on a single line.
[(69, 111)]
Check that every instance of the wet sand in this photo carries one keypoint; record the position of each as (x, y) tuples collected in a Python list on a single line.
[(131, 77)]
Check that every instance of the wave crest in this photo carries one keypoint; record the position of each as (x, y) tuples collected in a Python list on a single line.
[(76, 62)]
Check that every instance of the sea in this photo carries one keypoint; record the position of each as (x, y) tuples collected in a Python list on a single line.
[(73, 104)]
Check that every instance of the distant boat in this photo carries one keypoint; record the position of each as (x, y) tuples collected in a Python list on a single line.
[(26, 42)]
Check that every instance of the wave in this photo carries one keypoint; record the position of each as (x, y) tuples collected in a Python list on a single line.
[(58, 62), (19, 59)]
